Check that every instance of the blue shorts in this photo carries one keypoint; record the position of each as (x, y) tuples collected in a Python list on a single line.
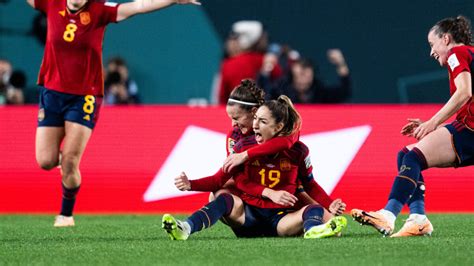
[(56, 107), (260, 222), (463, 143)]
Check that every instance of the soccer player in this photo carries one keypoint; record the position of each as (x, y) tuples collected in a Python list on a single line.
[(439, 145), (268, 184), (241, 108), (71, 83)]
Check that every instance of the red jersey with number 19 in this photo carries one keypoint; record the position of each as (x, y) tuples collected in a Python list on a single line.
[(72, 60), (279, 172)]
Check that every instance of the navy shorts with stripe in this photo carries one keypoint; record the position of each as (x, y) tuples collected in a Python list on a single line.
[(260, 222), (56, 107), (463, 143)]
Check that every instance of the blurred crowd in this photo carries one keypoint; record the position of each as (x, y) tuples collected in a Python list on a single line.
[(277, 68), (247, 53)]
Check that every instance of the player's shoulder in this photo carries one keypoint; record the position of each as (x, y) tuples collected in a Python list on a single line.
[(461, 51), (460, 56), (299, 148), (245, 143), (234, 134), (102, 4)]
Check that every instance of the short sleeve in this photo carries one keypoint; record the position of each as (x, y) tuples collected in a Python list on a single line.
[(458, 61), (305, 167), (109, 12)]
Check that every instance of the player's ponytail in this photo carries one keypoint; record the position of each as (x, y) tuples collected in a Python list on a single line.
[(284, 111), (459, 28)]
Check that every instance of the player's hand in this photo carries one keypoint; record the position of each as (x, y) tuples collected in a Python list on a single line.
[(233, 161), (335, 57), (337, 207), (184, 2), (281, 197), (424, 129), (412, 124), (182, 182)]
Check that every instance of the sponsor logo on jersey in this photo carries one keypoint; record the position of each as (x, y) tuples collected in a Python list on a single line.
[(307, 162), (111, 4), (230, 145), (85, 18), (62, 13), (453, 61), (285, 164), (269, 165), (41, 114)]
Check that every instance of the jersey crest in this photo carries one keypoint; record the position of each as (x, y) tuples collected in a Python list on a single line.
[(285, 164), (85, 18)]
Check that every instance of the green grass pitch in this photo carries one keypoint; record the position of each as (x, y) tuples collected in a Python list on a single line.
[(139, 240)]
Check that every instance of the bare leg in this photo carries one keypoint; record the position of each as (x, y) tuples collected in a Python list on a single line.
[(437, 148), (48, 142), (75, 143)]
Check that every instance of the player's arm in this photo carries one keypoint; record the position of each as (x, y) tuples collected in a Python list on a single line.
[(209, 183), (462, 94), (315, 191), (31, 3), (271, 146), (282, 197), (130, 9)]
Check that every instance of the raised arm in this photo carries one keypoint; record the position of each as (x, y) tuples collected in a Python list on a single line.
[(130, 9), (31, 3)]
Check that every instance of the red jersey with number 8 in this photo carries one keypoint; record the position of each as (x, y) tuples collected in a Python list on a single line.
[(72, 60)]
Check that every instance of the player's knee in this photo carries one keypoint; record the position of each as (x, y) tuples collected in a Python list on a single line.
[(70, 163), (46, 163)]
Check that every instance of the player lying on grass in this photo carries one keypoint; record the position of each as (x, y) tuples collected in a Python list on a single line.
[(267, 185), (439, 145)]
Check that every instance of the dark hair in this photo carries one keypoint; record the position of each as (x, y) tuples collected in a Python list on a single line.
[(305, 63), (283, 111), (112, 79), (459, 28), (247, 91), (119, 61), (18, 79)]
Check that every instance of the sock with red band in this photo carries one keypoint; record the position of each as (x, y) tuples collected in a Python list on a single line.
[(406, 181), (211, 212)]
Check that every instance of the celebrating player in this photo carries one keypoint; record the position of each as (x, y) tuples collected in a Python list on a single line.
[(72, 83), (439, 145), (268, 184), (241, 107)]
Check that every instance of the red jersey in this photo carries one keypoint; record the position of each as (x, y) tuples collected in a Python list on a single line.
[(72, 60), (236, 137), (279, 172), (460, 59), (239, 67), (236, 141)]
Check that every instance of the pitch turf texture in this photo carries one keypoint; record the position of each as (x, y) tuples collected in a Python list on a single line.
[(139, 240)]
